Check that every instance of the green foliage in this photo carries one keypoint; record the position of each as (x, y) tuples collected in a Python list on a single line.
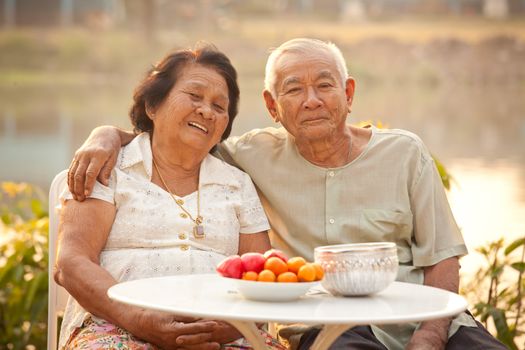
[(23, 267), (502, 281), (443, 173)]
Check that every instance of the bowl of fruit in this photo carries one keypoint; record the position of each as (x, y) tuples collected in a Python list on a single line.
[(271, 276)]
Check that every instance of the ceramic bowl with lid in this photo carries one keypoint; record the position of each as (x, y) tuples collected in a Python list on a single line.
[(358, 268)]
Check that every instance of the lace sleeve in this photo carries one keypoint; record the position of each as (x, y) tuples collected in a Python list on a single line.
[(105, 193)]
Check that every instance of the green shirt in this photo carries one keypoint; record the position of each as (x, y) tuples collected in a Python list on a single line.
[(391, 192)]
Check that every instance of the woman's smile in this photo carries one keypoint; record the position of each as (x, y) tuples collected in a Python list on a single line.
[(198, 127)]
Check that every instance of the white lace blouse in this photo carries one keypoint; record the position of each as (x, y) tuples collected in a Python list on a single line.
[(149, 237)]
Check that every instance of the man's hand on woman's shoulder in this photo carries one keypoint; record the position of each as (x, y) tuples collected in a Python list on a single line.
[(95, 160)]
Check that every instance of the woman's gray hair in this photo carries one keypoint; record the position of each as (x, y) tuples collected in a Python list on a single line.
[(302, 46)]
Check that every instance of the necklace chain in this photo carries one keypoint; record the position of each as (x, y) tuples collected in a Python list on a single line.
[(198, 219)]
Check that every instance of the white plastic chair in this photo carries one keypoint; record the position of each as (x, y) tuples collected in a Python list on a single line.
[(57, 295)]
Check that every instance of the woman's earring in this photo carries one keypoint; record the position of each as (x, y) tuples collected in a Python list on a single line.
[(150, 114)]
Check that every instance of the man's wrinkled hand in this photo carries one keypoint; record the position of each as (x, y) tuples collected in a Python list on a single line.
[(94, 160), (423, 339)]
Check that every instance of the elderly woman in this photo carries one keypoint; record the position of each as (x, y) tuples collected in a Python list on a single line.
[(170, 208)]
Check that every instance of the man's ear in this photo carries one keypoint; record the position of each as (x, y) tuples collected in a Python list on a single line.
[(271, 105), (349, 90)]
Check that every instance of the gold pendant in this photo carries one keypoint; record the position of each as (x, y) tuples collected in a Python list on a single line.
[(198, 231)]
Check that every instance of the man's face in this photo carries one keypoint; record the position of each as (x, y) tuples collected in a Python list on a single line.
[(311, 100)]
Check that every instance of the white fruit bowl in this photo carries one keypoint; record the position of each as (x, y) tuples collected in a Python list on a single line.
[(272, 291)]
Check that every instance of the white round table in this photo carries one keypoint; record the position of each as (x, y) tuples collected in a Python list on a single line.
[(213, 297)]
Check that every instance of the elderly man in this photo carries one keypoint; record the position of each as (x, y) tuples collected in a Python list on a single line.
[(325, 182)]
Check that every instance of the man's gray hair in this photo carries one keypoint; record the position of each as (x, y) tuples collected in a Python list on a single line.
[(302, 46)]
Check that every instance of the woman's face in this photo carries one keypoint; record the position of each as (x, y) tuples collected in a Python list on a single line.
[(195, 113)]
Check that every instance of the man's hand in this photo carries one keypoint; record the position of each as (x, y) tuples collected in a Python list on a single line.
[(433, 335), (424, 339), (95, 159)]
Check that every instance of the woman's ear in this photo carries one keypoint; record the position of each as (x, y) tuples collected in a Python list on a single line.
[(150, 112), (271, 105)]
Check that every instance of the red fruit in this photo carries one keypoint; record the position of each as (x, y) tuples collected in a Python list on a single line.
[(253, 262), (277, 253), (231, 267)]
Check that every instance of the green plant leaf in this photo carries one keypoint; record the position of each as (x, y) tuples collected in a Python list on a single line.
[(443, 173), (483, 251), (480, 310), (6, 219), (497, 271), (24, 298), (33, 287), (514, 245), (519, 266), (503, 292), (504, 333), (37, 208)]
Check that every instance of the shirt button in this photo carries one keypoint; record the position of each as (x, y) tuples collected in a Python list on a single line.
[(184, 247), (331, 221), (331, 173), (182, 236)]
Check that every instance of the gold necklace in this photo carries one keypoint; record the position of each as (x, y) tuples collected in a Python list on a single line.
[(198, 229)]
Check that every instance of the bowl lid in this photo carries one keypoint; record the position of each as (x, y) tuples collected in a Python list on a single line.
[(356, 247)]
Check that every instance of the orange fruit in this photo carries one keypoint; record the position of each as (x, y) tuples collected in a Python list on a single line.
[(250, 276), (306, 273), (266, 276), (319, 272), (295, 263), (287, 277), (276, 265)]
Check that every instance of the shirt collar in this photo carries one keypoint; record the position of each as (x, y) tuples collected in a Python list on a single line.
[(212, 171), (138, 151)]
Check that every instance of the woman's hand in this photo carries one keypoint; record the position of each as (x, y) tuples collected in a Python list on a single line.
[(174, 332), (95, 159)]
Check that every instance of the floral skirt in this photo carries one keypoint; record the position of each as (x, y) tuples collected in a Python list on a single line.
[(100, 334)]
